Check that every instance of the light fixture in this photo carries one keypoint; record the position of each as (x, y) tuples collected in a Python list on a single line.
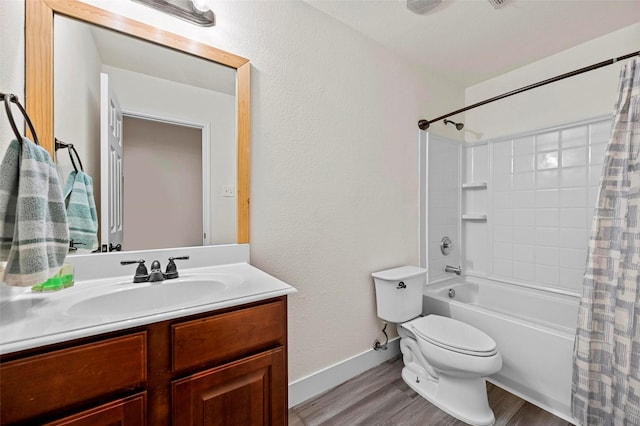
[(194, 11), (422, 7)]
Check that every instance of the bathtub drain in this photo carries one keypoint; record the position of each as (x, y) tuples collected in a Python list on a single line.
[(452, 293)]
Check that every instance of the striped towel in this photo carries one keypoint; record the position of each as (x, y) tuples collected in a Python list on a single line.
[(81, 210), (34, 239)]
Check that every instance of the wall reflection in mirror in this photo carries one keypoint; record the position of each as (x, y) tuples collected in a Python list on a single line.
[(156, 131)]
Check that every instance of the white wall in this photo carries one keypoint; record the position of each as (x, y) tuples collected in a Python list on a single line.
[(334, 187), (588, 95), (76, 79), (12, 64)]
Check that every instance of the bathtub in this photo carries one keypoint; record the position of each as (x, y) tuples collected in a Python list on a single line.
[(533, 329)]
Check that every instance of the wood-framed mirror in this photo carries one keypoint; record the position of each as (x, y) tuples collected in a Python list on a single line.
[(39, 78)]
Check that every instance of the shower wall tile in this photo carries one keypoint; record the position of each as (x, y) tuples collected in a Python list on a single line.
[(572, 258), (523, 163), (573, 218), (524, 271), (547, 198), (546, 256), (503, 200), (503, 233), (523, 199), (573, 197), (575, 157), (547, 217), (547, 275), (574, 177), (524, 234), (542, 192), (575, 136), (547, 179), (597, 153), (547, 236), (523, 252), (572, 278), (524, 181), (523, 217), (547, 141), (600, 132), (525, 145)]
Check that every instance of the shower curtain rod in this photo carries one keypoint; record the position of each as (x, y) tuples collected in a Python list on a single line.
[(424, 124)]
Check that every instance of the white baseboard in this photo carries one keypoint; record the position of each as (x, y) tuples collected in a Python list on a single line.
[(334, 375)]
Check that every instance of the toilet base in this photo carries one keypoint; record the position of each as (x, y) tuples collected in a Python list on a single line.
[(464, 399)]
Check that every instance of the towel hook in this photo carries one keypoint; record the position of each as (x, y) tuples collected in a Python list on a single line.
[(7, 98), (61, 145)]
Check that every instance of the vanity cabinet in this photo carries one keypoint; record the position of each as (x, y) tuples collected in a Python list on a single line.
[(217, 368), (126, 412)]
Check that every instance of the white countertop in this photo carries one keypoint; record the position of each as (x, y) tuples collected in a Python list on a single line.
[(33, 319)]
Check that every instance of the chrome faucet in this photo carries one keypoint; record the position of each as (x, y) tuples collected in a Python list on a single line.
[(455, 269)]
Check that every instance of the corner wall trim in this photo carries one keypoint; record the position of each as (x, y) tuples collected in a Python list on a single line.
[(314, 384)]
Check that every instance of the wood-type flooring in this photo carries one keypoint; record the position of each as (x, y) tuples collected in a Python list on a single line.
[(379, 397)]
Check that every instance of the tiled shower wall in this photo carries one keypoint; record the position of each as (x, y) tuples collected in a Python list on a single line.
[(542, 189)]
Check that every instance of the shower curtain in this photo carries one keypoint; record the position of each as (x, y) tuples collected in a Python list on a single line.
[(606, 368)]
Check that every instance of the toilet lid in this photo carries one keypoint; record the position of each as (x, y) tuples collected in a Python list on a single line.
[(454, 335)]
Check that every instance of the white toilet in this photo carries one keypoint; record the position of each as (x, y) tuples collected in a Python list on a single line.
[(445, 360)]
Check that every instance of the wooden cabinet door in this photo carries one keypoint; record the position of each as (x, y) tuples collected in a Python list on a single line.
[(123, 412), (248, 392)]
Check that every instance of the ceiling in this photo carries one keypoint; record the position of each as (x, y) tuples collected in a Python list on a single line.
[(469, 41)]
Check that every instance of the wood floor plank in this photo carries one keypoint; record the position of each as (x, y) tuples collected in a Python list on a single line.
[(294, 419), (377, 409), (379, 397), (530, 415), (504, 404), (338, 399)]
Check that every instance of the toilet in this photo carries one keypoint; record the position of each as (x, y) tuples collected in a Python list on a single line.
[(446, 361)]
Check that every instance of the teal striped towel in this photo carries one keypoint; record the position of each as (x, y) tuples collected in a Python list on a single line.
[(34, 239), (81, 210)]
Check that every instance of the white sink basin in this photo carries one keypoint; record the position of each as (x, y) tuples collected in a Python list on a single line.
[(148, 298)]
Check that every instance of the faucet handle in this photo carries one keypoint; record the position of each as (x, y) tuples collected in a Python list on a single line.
[(142, 274), (172, 270)]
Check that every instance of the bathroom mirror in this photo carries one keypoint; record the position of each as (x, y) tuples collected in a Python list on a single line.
[(48, 20)]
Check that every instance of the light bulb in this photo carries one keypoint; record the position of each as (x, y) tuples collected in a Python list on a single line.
[(200, 6)]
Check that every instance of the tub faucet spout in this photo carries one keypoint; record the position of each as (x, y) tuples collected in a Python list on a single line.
[(455, 269)]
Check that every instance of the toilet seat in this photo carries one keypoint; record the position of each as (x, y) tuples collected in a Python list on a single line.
[(454, 335)]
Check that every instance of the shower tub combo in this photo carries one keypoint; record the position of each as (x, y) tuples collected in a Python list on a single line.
[(533, 328)]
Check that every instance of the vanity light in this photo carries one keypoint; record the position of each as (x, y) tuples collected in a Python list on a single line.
[(194, 11)]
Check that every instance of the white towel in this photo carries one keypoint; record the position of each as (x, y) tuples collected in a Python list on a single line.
[(34, 238)]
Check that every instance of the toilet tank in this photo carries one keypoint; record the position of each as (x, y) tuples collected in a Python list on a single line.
[(399, 293)]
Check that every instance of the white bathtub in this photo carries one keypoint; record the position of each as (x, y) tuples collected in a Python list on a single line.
[(533, 328)]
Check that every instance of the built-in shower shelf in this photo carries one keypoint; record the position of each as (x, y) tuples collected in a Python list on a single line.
[(474, 216), (475, 185)]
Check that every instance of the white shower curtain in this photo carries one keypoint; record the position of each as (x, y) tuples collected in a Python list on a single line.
[(606, 371)]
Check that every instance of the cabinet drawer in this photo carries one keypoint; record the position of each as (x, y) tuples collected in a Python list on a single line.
[(126, 412), (50, 381), (226, 336)]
